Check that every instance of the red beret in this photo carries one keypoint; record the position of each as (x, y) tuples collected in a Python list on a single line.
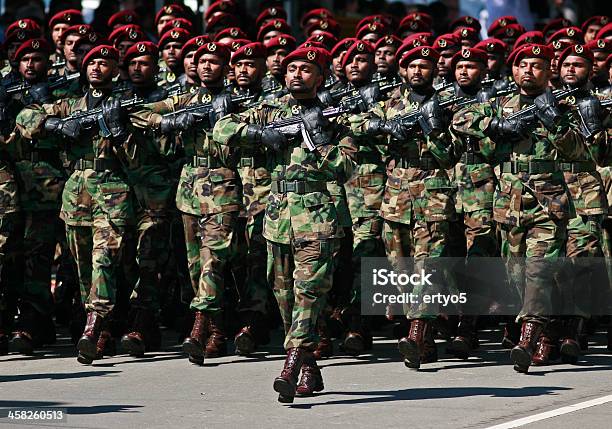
[(468, 33), (23, 24), (125, 33), (223, 6), (91, 39), (342, 46), (321, 13), (470, 54), (389, 40), (499, 24), (213, 48), (359, 47), (415, 23), (330, 25), (313, 55), (376, 28), (81, 30), (175, 10), (233, 32), (140, 49), (284, 41), (33, 45), (555, 25), (179, 35), (414, 41), (447, 41), (533, 51), (529, 37), (609, 61), (20, 36), (512, 54), (276, 25), (600, 45), (328, 39), (492, 46), (465, 21), (572, 33), (422, 52), (600, 20), (123, 17), (100, 51), (238, 43), (193, 44), (249, 51), (68, 16), (604, 32), (370, 19), (222, 20), (270, 13), (512, 31), (578, 51), (178, 23), (559, 45), (313, 44), (425, 37)]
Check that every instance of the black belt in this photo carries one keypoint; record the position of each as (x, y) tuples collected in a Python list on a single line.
[(473, 158), (297, 186), (204, 161), (577, 166), (252, 161), (531, 167), (97, 164), (44, 155), (425, 163)]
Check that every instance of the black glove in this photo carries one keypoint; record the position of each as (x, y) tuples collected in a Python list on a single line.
[(70, 128), (591, 114), (432, 116), (179, 122), (221, 106), (391, 127), (40, 93), (512, 129), (370, 95), (485, 94), (115, 117), (547, 109), (317, 126), (326, 98), (269, 137)]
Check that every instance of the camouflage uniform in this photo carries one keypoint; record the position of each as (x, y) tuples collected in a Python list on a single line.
[(301, 223)]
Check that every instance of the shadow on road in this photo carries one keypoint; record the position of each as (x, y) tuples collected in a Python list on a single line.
[(96, 409), (54, 376)]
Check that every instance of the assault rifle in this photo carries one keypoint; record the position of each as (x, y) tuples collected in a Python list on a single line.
[(55, 83)]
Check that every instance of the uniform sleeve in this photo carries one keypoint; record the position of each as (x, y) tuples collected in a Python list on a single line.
[(30, 122), (231, 130), (149, 116), (471, 123)]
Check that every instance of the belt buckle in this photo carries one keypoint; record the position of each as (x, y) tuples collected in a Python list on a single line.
[(290, 187)]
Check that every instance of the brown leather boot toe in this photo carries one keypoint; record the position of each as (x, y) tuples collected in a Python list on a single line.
[(22, 342), (216, 346), (286, 383), (194, 344), (88, 341), (325, 348), (412, 346), (133, 344), (311, 380), (522, 353), (244, 342), (106, 345)]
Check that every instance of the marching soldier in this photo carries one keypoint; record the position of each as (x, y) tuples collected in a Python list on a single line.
[(59, 23), (277, 49), (170, 45)]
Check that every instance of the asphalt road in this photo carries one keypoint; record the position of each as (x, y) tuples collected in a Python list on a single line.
[(162, 390)]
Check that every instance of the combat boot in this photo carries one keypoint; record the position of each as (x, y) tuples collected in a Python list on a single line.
[(358, 339), (106, 345), (194, 344), (412, 346), (466, 340), (254, 333), (325, 346), (286, 383), (216, 346), (311, 380), (88, 342), (512, 333), (144, 336), (570, 347), (22, 340), (546, 351), (522, 353)]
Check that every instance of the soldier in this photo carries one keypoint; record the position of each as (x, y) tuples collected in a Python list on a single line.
[(41, 182), (277, 48), (122, 38), (447, 45), (272, 29), (591, 26), (227, 36), (170, 45), (59, 23), (167, 14), (417, 203), (68, 38), (300, 223), (208, 196), (600, 49), (14, 39), (386, 64), (121, 18), (96, 201), (338, 76), (189, 81), (496, 51), (531, 202)]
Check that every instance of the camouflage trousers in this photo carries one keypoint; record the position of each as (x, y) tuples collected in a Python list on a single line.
[(367, 243), (301, 275), (11, 266), (97, 250), (212, 243), (420, 240)]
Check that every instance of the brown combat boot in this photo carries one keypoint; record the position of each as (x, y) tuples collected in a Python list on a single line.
[(216, 346), (466, 340), (358, 339), (311, 380), (254, 333), (145, 335), (286, 383), (194, 344), (512, 334), (26, 335), (89, 340), (106, 344), (570, 347), (546, 351), (325, 346), (412, 346), (522, 353)]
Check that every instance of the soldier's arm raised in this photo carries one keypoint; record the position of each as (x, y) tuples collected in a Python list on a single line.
[(473, 122)]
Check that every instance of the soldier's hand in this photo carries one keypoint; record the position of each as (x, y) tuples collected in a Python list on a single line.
[(513, 129), (115, 117), (268, 137), (179, 122), (391, 127), (70, 128), (547, 109), (40, 93), (221, 106), (433, 116), (317, 126), (591, 114), (326, 98)]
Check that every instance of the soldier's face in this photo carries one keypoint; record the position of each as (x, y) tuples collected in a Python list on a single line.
[(270, 35), (420, 73), (591, 32), (303, 79), (371, 38), (12, 48), (575, 71), (56, 34), (100, 72), (122, 47), (163, 21), (211, 69), (494, 64), (385, 59), (533, 74), (142, 70), (191, 68), (248, 72), (33, 66), (554, 65), (599, 66), (360, 69), (69, 53), (444, 63), (171, 54), (337, 65), (468, 73), (274, 60)]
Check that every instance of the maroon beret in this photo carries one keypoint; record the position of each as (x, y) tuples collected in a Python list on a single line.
[(284, 41), (358, 47), (213, 48), (470, 54), (175, 10), (313, 55), (578, 51), (68, 16), (249, 51), (100, 51), (123, 17), (179, 35), (140, 49), (422, 52), (270, 13), (33, 45), (492, 46)]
